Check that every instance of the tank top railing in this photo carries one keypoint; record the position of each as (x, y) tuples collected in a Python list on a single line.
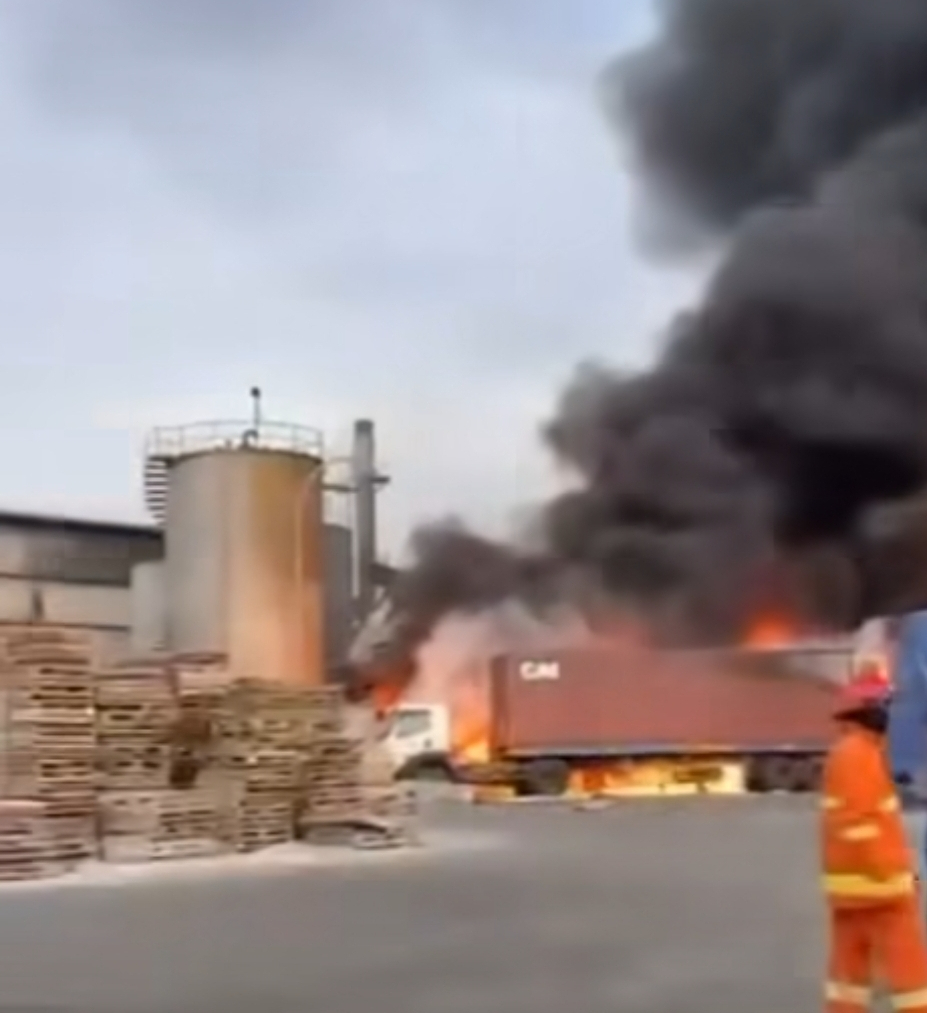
[(167, 442)]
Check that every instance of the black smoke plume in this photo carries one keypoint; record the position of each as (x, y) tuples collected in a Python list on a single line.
[(786, 417)]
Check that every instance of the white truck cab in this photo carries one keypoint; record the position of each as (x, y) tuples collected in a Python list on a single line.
[(418, 735)]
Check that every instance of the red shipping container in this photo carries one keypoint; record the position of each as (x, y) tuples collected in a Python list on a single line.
[(607, 701)]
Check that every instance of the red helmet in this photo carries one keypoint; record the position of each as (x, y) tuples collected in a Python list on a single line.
[(869, 686)]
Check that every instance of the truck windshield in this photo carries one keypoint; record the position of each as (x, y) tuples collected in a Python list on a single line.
[(411, 722)]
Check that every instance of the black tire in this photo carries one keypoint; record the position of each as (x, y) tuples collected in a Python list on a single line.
[(806, 775), (756, 778), (549, 777), (783, 773), (428, 768)]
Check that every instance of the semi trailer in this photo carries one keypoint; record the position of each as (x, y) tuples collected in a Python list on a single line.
[(601, 720)]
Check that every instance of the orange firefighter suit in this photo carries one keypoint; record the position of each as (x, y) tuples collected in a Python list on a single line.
[(875, 918)]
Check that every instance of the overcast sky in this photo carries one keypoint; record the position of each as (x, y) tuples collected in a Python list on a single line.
[(407, 209)]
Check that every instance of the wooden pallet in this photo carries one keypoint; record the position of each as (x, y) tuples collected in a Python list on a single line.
[(74, 837), (49, 659), (333, 752), (132, 713), (33, 869), (170, 812), (20, 815), (147, 767), (48, 740), (28, 849), (267, 730), (346, 796), (257, 822), (267, 780), (130, 849), (119, 687), (204, 679), (23, 708), (328, 781), (46, 765), (256, 840), (74, 802), (242, 755), (55, 690), (169, 800)]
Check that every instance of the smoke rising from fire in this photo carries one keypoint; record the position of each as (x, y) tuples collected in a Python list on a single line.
[(790, 408)]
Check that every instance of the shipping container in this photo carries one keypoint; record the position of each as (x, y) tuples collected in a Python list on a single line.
[(582, 702)]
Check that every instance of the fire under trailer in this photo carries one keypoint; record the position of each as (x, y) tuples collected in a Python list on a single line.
[(606, 721)]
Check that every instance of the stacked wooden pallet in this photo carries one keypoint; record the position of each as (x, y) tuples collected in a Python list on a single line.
[(143, 826), (332, 781), (29, 848), (47, 732), (136, 710), (267, 715), (261, 733), (201, 683)]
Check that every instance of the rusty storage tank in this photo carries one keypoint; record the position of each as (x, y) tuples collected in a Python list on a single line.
[(244, 546)]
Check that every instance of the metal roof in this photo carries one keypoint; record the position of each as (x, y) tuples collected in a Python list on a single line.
[(22, 519)]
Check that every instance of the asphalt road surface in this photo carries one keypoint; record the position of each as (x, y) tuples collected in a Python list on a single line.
[(698, 906)]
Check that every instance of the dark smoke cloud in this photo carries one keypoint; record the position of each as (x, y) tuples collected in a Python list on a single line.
[(787, 414), (741, 103)]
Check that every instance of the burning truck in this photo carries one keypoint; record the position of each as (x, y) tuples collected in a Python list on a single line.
[(608, 715)]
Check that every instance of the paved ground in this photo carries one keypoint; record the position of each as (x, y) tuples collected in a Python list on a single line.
[(660, 907)]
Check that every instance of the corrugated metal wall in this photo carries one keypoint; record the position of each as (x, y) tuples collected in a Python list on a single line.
[(70, 573), (74, 555)]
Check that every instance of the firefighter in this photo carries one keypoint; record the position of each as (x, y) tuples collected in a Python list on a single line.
[(869, 880)]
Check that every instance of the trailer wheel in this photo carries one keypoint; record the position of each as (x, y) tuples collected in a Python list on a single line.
[(756, 777), (427, 768), (783, 773), (807, 774), (543, 777)]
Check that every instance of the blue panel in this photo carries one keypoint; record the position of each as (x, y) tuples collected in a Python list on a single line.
[(907, 737)]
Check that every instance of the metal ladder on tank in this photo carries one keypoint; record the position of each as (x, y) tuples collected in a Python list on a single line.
[(155, 483)]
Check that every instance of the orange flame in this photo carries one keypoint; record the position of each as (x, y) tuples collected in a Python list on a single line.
[(771, 629), (385, 695), (470, 719)]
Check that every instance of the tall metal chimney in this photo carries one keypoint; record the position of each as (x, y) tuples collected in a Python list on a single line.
[(365, 480)]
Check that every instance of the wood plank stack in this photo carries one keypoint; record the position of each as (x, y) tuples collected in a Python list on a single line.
[(256, 817), (260, 714), (144, 826), (201, 683), (332, 782), (47, 732), (261, 733), (28, 846), (137, 712)]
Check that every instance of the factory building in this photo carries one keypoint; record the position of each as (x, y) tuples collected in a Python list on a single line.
[(73, 573)]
